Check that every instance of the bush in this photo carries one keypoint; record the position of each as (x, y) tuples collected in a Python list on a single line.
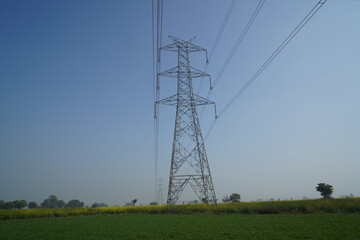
[(269, 210)]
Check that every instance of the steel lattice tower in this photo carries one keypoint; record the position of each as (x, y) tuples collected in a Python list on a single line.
[(189, 163), (159, 189)]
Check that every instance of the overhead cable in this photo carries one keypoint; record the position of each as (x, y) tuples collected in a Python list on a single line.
[(159, 16), (216, 42), (303, 22), (239, 41)]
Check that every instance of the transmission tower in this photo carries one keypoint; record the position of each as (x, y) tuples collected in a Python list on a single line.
[(189, 163), (159, 195)]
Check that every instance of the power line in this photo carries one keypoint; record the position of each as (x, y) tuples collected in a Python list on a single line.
[(161, 21), (216, 42), (239, 41), (201, 18), (154, 89), (222, 29), (159, 16), (303, 22), (153, 49)]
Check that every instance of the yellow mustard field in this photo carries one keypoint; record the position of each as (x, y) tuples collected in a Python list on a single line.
[(338, 205)]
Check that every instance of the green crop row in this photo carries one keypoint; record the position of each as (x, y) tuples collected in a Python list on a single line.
[(339, 205)]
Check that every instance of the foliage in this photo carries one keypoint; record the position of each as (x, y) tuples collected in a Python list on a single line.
[(99, 205), (226, 199), (153, 203), (347, 196), (194, 202), (235, 197), (18, 204), (187, 226), (75, 204), (9, 205), (60, 204), (325, 190), (32, 205), (53, 202)]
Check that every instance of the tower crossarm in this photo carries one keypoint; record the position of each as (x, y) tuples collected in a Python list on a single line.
[(178, 43), (172, 101), (200, 101), (175, 46), (196, 73), (175, 73)]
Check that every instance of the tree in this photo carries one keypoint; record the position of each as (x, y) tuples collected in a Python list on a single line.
[(226, 199), (194, 202), (99, 205), (9, 205), (16, 203), (153, 203), (23, 203), (134, 202), (75, 204), (32, 205), (53, 198), (46, 204), (325, 190), (50, 202), (235, 197), (19, 204), (347, 196), (2, 204), (53, 202), (60, 204)]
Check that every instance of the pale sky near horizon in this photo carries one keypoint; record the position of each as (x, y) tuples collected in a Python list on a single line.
[(76, 99)]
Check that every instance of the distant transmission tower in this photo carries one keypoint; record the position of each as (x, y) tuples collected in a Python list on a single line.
[(159, 195), (189, 163)]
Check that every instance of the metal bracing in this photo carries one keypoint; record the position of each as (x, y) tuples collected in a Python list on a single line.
[(189, 163)]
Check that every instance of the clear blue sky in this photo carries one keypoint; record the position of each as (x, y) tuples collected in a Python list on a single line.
[(76, 99)]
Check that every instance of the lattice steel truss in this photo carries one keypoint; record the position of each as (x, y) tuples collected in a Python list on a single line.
[(189, 163)]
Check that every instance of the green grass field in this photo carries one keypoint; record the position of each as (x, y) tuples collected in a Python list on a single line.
[(187, 226)]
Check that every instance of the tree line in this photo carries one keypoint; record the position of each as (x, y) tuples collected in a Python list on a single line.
[(51, 202), (325, 191)]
